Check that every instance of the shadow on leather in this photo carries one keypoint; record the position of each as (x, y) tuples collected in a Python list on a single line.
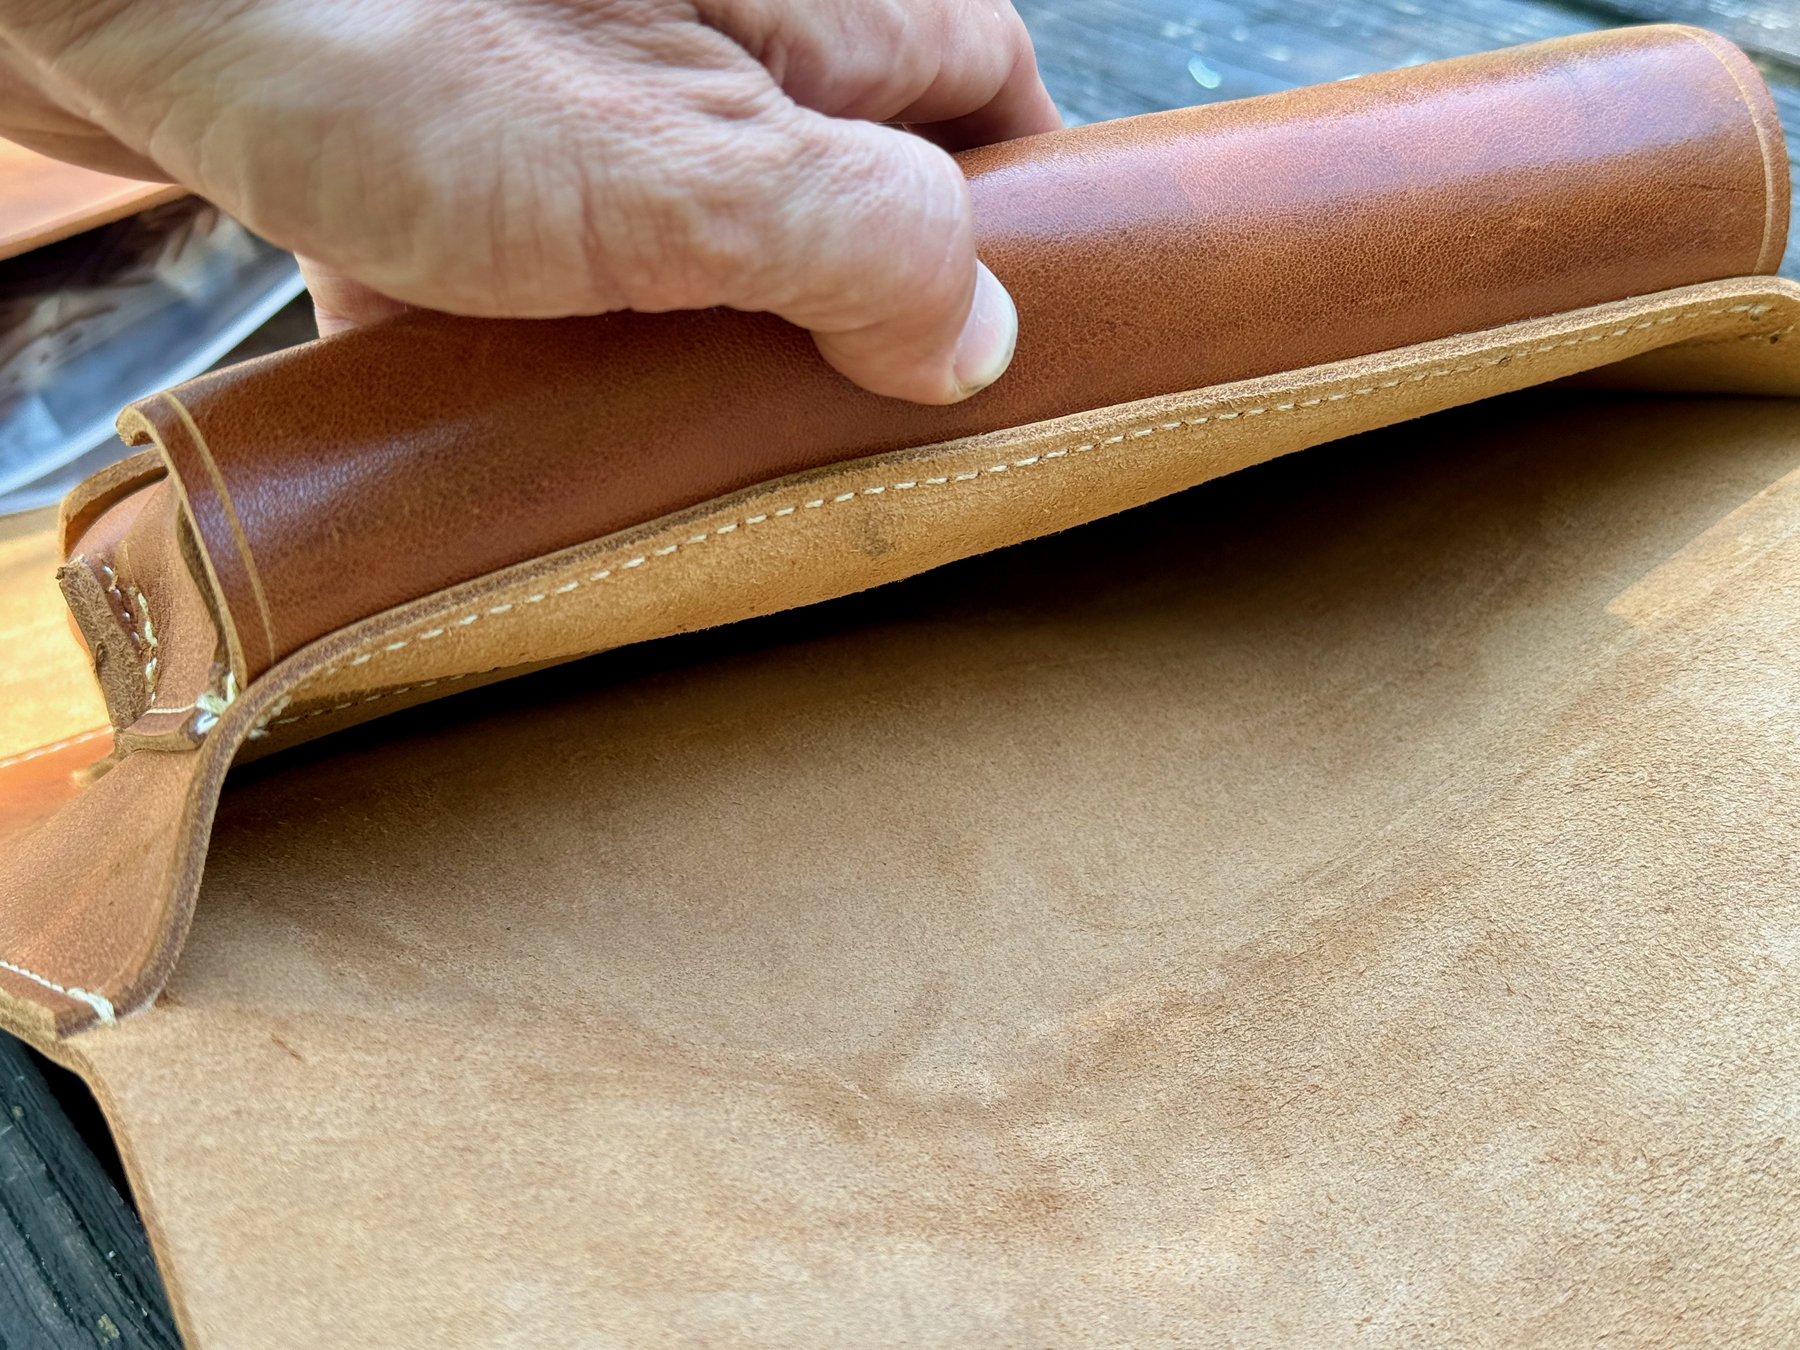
[(979, 782)]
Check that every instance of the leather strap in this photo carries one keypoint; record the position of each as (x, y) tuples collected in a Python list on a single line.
[(1161, 253)]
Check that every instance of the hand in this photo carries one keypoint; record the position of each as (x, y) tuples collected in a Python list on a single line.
[(537, 158)]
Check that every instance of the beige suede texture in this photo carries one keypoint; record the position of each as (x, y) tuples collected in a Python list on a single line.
[(95, 916), (1350, 902)]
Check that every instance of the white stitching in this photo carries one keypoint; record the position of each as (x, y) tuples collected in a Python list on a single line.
[(386, 693), (52, 749), (147, 644), (98, 1002), (101, 1005), (112, 589), (1755, 312)]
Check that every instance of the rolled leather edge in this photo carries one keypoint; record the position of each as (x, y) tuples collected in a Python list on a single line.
[(96, 900), (1167, 252)]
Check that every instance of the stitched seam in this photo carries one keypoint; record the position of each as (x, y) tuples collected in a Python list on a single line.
[(52, 749), (1755, 310), (237, 528), (112, 589), (101, 1005), (98, 1002), (145, 642), (371, 698)]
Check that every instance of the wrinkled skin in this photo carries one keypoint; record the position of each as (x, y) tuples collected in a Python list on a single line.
[(536, 158)]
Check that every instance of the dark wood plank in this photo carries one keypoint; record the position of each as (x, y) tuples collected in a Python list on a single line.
[(1112, 58), (75, 1266), (1767, 27)]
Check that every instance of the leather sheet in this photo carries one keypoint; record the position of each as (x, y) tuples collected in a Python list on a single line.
[(370, 522), (43, 200), (1353, 894)]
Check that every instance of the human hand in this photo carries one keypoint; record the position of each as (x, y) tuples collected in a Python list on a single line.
[(537, 158)]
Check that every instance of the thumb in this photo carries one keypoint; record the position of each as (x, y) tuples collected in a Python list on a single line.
[(887, 357), (874, 252), (340, 301)]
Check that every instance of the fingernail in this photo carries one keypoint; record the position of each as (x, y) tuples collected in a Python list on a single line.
[(985, 348)]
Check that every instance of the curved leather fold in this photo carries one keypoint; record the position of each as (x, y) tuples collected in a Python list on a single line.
[(380, 518)]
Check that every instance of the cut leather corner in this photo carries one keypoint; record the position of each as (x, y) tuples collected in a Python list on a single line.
[(99, 898)]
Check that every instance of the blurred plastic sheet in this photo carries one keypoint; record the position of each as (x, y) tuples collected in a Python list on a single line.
[(92, 322)]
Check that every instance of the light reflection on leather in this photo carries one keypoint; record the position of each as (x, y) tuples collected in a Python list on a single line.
[(35, 783)]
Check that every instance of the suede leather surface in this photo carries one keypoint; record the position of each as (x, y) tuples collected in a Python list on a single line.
[(1351, 901), (95, 902)]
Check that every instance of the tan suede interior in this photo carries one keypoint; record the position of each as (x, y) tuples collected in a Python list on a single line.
[(1350, 902)]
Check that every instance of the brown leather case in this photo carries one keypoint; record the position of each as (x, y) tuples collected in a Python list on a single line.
[(1177, 251), (377, 519), (949, 957)]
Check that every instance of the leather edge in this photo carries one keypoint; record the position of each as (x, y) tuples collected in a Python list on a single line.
[(42, 1009), (336, 670), (1766, 120), (162, 422), (125, 202), (98, 493)]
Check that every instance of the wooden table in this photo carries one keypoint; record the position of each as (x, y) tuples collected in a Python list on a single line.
[(75, 1267)]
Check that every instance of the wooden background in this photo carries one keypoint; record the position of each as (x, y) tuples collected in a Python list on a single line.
[(75, 1268)]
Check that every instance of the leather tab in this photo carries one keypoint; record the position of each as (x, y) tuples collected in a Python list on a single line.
[(226, 554)]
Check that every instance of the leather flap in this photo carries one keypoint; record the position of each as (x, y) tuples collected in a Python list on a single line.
[(1147, 256)]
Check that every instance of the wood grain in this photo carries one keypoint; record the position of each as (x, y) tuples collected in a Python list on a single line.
[(75, 1267)]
